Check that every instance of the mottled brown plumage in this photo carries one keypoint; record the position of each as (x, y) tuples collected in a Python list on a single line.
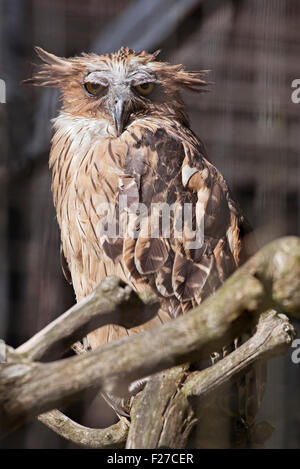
[(123, 143)]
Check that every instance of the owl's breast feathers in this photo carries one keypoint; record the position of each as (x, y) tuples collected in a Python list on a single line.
[(160, 164)]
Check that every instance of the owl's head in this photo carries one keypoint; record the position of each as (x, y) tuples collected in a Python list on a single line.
[(118, 86)]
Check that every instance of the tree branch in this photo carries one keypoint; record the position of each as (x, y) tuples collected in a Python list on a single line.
[(270, 279), (112, 302), (112, 437), (30, 388), (168, 394), (273, 336)]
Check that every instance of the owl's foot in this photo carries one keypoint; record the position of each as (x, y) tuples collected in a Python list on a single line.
[(122, 406)]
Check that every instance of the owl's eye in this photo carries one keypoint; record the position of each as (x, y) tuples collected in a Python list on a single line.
[(93, 88), (145, 88)]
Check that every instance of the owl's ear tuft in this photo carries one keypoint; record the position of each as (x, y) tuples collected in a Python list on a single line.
[(52, 72), (192, 81), (175, 76), (49, 58)]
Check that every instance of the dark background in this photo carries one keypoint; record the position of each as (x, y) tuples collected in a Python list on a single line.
[(248, 122)]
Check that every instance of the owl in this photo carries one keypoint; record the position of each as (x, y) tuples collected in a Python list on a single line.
[(123, 157)]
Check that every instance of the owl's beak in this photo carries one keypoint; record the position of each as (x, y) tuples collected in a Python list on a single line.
[(120, 114)]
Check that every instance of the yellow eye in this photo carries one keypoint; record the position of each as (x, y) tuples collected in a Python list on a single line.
[(93, 88), (145, 88)]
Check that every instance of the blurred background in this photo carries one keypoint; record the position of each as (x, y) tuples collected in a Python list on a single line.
[(248, 122)]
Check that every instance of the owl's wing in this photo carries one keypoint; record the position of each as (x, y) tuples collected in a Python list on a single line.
[(166, 166), (65, 267)]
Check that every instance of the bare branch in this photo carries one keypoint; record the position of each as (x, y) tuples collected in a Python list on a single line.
[(168, 394), (28, 389), (273, 336), (161, 416), (270, 279), (112, 302), (111, 437)]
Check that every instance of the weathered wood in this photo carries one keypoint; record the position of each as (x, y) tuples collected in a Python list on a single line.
[(271, 278), (112, 302), (163, 415), (111, 437), (27, 388), (274, 336)]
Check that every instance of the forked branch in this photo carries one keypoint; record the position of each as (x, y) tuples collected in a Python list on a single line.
[(271, 279)]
